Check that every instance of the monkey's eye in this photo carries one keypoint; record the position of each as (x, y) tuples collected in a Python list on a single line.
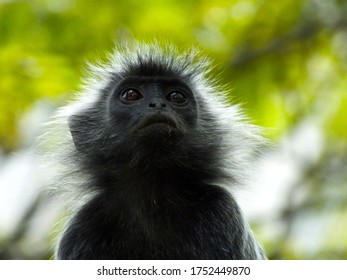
[(176, 97), (130, 95)]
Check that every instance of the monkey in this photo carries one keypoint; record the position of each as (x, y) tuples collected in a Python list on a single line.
[(160, 153)]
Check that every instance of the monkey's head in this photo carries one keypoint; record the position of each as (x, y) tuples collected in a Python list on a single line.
[(152, 105), (147, 101)]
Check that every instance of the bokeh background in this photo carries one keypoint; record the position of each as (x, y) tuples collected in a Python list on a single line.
[(285, 61)]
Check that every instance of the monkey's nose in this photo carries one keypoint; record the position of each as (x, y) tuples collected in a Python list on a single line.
[(157, 103)]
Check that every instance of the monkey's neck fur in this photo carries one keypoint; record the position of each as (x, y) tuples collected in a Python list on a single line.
[(158, 205)]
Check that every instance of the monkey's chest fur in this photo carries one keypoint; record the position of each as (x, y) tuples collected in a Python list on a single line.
[(204, 224)]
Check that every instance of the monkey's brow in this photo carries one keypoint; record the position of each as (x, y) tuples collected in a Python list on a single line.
[(154, 79)]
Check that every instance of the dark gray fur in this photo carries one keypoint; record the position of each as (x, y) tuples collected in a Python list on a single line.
[(167, 192)]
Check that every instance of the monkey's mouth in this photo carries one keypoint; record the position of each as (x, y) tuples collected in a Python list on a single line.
[(158, 121)]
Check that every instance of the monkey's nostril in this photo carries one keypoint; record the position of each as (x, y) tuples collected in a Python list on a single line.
[(157, 105)]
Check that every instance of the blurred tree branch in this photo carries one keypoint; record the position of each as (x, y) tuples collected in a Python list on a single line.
[(9, 250), (281, 44)]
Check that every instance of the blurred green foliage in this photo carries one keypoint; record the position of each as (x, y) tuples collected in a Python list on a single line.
[(286, 61), (281, 58)]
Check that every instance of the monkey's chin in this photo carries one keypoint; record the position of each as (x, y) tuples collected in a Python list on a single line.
[(161, 130), (159, 134)]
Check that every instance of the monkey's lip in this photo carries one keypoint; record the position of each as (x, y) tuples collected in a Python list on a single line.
[(158, 120)]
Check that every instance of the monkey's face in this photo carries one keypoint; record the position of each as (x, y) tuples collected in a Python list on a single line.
[(155, 109), (152, 114)]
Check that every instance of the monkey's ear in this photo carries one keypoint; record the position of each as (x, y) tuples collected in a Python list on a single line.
[(77, 124)]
